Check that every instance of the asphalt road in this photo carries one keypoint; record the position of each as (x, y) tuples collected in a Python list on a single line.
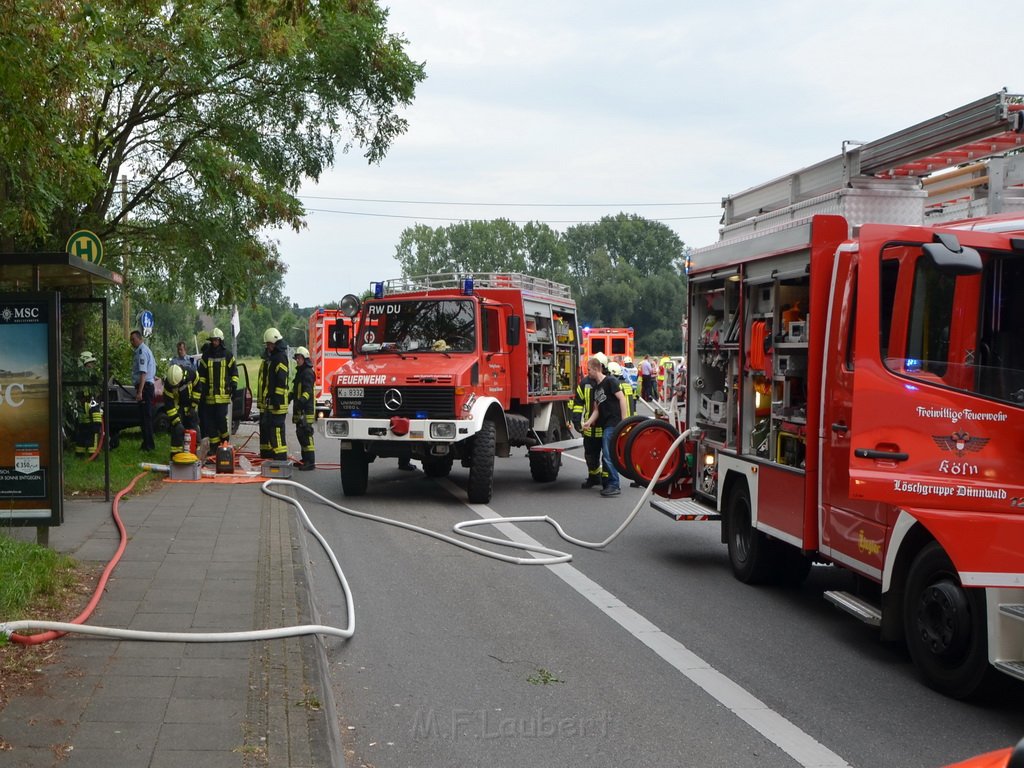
[(647, 653)]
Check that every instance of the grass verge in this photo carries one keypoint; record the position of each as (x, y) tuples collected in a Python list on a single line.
[(83, 477)]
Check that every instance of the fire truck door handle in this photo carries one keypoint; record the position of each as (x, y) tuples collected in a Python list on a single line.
[(840, 428), (868, 453)]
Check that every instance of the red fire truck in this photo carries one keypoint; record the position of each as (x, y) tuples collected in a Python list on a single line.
[(616, 343), (856, 388), (459, 367), (330, 338)]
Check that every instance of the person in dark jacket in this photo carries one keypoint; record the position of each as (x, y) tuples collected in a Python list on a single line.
[(218, 380), (304, 407), (581, 407), (180, 403), (272, 396)]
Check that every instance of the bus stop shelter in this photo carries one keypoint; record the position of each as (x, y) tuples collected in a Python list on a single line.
[(35, 288)]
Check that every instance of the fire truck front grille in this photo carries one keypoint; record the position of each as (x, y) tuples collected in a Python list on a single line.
[(411, 402)]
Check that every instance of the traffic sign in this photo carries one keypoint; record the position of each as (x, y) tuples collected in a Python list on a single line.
[(146, 322), (85, 245)]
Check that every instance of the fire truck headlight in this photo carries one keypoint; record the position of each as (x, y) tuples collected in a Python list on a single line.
[(442, 430), (336, 428)]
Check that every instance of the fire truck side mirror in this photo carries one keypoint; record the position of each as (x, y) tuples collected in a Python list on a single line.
[(951, 258), (513, 330)]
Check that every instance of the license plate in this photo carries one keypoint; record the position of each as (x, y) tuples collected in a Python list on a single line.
[(350, 392)]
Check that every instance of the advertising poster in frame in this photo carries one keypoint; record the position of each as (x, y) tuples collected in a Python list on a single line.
[(30, 460)]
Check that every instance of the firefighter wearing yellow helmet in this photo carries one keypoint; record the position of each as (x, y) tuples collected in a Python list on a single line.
[(272, 396), (217, 382), (180, 403), (304, 406)]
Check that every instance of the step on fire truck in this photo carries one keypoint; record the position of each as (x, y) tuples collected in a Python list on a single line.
[(856, 388), (463, 367), (330, 337)]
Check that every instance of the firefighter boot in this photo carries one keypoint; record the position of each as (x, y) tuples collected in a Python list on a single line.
[(308, 461), (592, 481)]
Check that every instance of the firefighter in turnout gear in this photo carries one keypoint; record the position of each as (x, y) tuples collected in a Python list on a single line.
[(304, 407), (181, 402), (218, 380), (90, 414), (272, 396), (582, 406)]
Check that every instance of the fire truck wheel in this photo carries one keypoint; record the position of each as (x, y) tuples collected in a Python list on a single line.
[(751, 553), (646, 446), (620, 432), (481, 466), (544, 465), (437, 466), (355, 471), (945, 626)]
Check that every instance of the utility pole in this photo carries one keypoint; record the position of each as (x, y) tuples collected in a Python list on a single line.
[(126, 302)]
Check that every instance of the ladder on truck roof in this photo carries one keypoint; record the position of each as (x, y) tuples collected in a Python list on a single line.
[(450, 280), (993, 125)]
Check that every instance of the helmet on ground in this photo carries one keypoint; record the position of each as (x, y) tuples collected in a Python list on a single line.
[(301, 351), (603, 358), (85, 358), (271, 336), (217, 333), (614, 368), (174, 375)]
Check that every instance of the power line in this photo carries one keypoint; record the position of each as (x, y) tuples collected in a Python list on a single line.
[(504, 205), (511, 221)]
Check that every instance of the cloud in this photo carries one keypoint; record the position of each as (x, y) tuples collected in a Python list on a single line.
[(575, 102)]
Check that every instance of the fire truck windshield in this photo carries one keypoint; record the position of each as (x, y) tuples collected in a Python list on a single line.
[(962, 332), (418, 325)]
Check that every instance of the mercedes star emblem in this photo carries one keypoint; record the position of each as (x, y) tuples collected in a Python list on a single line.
[(392, 399)]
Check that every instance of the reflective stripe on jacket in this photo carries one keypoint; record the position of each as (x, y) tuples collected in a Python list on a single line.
[(272, 394), (218, 376), (302, 389)]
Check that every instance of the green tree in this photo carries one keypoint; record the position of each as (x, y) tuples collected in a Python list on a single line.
[(215, 111), (483, 246), (624, 271), (627, 272)]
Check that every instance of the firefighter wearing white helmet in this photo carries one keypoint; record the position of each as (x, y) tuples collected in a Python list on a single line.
[(217, 382), (90, 409), (304, 407), (180, 404), (630, 372), (272, 396)]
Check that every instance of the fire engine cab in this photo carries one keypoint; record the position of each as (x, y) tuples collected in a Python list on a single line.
[(330, 336), (856, 388), (457, 367)]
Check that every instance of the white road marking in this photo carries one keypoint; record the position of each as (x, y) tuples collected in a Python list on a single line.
[(802, 747)]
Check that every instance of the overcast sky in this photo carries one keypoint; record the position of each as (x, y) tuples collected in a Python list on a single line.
[(566, 111)]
